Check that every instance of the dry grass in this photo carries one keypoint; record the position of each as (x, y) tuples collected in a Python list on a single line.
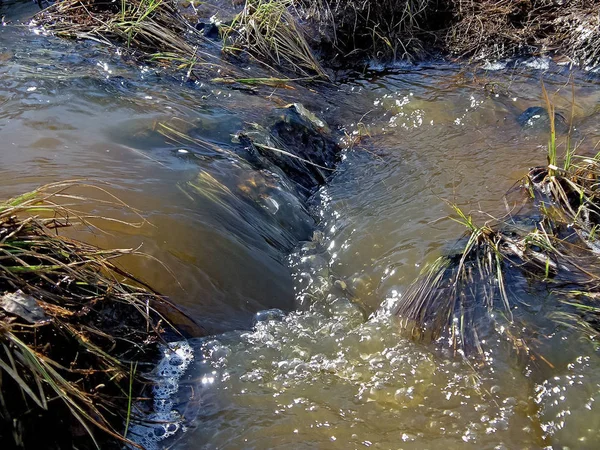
[(298, 35), (473, 29), (153, 28), (579, 36), (71, 325), (492, 29), (487, 28), (390, 30), (382, 30), (268, 30)]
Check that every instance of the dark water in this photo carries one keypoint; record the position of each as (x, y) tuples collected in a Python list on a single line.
[(336, 373)]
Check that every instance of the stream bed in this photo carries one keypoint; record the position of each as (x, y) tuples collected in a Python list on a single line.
[(295, 294)]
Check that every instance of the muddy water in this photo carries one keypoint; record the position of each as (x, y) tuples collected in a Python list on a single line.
[(318, 363)]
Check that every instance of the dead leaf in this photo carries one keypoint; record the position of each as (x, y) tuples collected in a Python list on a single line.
[(23, 306)]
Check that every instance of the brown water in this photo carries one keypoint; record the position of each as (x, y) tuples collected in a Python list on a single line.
[(335, 373)]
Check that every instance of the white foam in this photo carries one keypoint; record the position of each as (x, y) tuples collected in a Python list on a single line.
[(495, 65), (164, 421), (539, 63)]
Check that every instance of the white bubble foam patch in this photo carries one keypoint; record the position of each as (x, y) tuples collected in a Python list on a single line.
[(164, 421)]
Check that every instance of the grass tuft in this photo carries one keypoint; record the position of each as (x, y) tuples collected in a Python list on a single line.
[(268, 30), (155, 29), (73, 326), (549, 245)]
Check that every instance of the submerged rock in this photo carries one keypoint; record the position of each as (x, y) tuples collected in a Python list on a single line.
[(298, 143), (209, 29), (278, 200), (537, 118)]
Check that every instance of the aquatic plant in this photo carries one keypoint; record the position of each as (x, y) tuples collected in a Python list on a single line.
[(73, 326), (548, 242)]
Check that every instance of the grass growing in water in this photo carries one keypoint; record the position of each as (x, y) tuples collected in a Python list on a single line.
[(72, 327), (550, 244)]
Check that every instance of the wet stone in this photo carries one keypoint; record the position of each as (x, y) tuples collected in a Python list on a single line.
[(297, 143), (23, 306), (537, 118), (268, 315), (209, 29)]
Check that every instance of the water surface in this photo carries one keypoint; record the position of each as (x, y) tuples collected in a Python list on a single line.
[(324, 366)]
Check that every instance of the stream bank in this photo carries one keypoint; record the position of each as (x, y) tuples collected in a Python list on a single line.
[(312, 40), (74, 327)]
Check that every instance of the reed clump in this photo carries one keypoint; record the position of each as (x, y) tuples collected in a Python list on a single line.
[(76, 331), (545, 250)]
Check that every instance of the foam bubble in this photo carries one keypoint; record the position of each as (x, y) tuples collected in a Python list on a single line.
[(495, 65), (537, 63), (164, 421)]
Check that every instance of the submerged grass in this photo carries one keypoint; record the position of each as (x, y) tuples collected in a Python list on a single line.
[(454, 294), (176, 130), (73, 325)]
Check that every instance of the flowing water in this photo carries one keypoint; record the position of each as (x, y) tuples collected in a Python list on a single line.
[(295, 293)]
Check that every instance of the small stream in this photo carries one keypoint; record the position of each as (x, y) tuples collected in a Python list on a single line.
[(295, 293)]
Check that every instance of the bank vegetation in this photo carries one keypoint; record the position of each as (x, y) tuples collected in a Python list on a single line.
[(78, 334), (306, 37)]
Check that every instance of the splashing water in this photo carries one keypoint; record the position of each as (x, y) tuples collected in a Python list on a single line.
[(325, 378)]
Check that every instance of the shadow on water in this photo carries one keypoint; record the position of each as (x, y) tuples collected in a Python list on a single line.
[(238, 240)]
